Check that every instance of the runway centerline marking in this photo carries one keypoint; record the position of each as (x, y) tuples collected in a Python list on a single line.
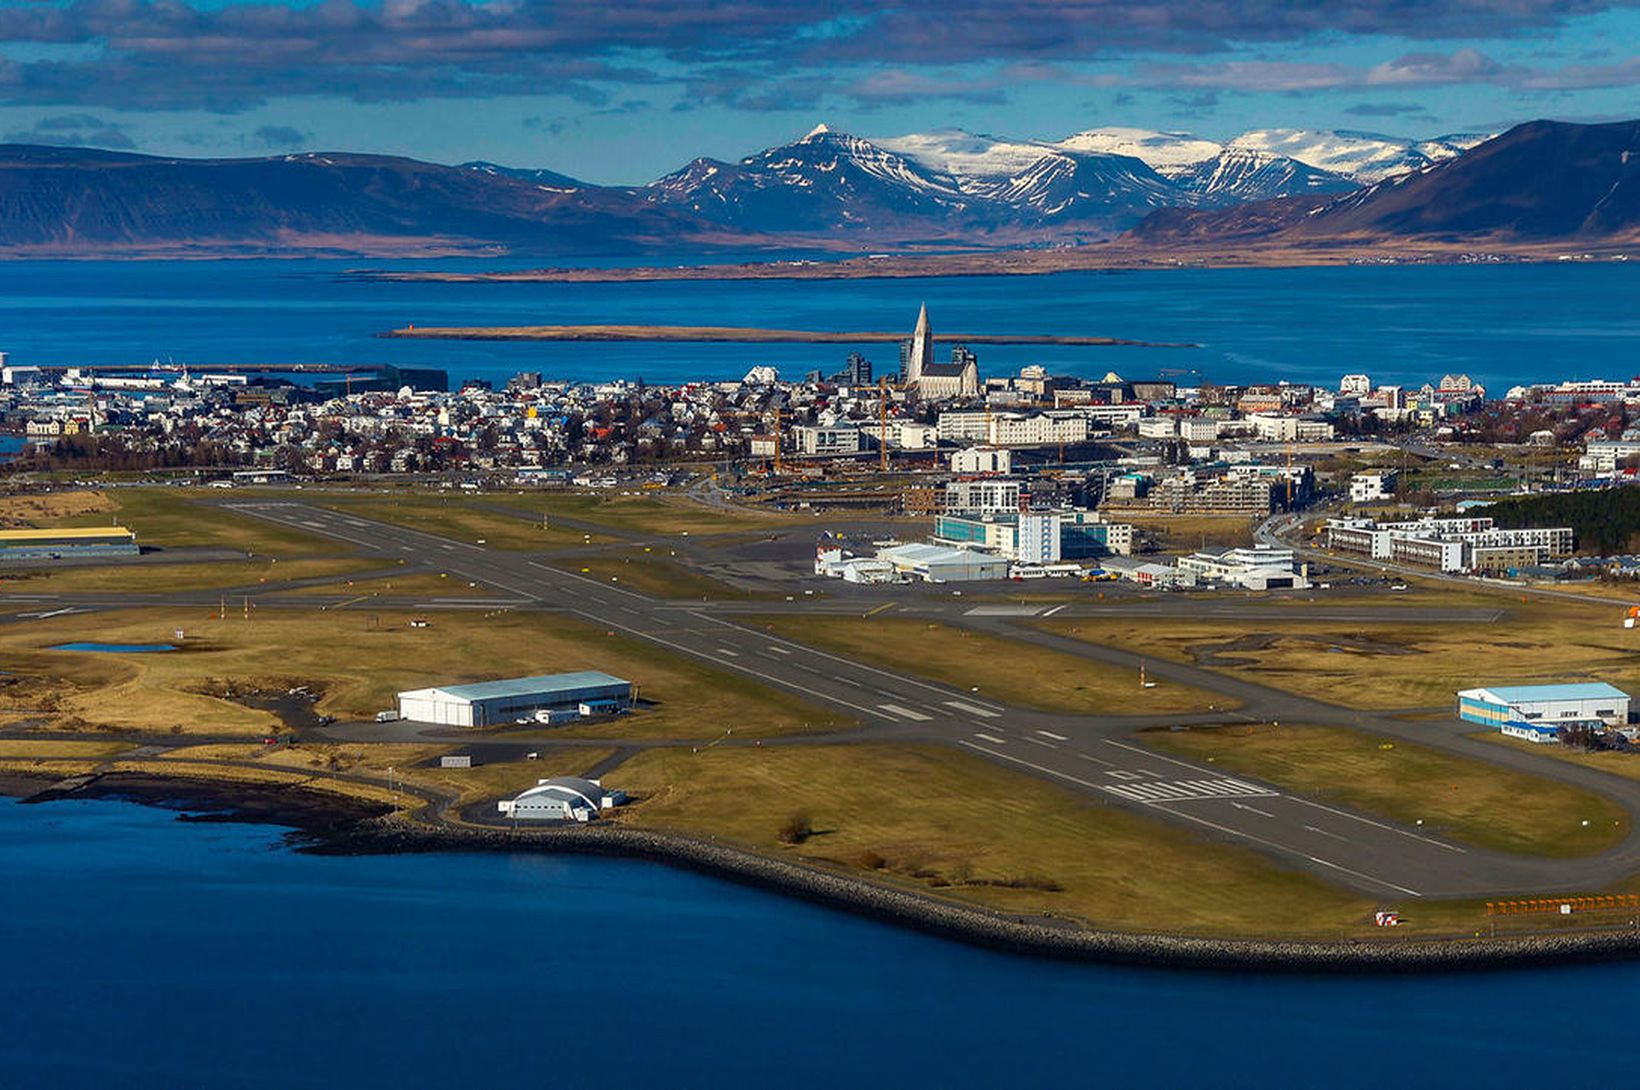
[(1051, 734)]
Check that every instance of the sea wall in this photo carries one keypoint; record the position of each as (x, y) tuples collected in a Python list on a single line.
[(979, 927)]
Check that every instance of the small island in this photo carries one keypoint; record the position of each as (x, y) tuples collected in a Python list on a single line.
[(706, 334)]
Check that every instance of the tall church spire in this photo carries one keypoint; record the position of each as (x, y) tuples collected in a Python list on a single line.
[(922, 348)]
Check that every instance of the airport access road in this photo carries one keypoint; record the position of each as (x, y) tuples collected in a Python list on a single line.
[(1094, 754)]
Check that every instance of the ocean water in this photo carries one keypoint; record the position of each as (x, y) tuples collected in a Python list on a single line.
[(1500, 324), (143, 951)]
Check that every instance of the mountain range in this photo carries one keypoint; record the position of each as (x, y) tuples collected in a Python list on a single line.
[(831, 190)]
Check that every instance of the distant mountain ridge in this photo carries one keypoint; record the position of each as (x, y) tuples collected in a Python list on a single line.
[(1539, 182), (832, 190)]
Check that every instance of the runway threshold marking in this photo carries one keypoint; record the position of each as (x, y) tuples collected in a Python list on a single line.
[(971, 709), (896, 709)]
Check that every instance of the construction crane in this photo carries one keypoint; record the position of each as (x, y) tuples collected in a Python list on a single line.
[(882, 423), (778, 467)]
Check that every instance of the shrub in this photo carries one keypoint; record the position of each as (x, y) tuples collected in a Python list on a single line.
[(797, 829)]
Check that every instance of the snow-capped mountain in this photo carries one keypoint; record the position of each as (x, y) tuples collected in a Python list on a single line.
[(827, 181), (1168, 153), (1239, 174), (1143, 168), (1364, 156)]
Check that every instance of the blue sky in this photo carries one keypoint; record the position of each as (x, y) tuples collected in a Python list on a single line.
[(624, 92)]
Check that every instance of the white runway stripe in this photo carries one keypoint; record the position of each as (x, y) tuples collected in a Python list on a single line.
[(1180, 790)]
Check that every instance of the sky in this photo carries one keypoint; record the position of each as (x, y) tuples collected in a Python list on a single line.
[(623, 91)]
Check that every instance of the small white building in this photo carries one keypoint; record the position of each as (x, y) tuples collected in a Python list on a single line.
[(836, 440), (1261, 567), (1374, 486), (982, 460), (563, 798), (941, 564)]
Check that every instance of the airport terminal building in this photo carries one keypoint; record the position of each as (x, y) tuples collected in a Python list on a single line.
[(490, 703)]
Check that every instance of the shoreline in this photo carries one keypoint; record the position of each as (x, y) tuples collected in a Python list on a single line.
[(1110, 258), (324, 823), (673, 334)]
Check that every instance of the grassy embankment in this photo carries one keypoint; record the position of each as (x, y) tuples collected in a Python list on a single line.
[(1393, 662), (1468, 800), (942, 822), (1002, 669), (359, 659)]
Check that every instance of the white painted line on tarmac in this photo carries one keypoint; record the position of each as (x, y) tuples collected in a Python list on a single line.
[(1282, 848), (1054, 610), (726, 651), (895, 709), (1380, 825), (778, 650), (1252, 809), (993, 739), (1051, 734), (971, 709), (1038, 742)]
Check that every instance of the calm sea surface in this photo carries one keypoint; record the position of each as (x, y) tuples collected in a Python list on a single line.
[(146, 952), (1501, 324)]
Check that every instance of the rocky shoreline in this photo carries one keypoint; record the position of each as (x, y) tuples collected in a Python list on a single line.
[(324, 823), (979, 927)]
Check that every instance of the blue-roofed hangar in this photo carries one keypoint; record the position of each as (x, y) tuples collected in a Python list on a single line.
[(490, 703), (1538, 712)]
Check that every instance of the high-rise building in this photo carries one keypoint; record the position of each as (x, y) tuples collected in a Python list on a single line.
[(855, 372)]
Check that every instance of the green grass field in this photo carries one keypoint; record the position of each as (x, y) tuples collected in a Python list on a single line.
[(1471, 801), (1001, 669)]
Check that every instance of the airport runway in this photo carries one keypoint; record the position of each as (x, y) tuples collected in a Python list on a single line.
[(1092, 754)]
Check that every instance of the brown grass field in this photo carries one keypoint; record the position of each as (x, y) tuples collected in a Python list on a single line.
[(1396, 662), (938, 820), (1002, 669), (359, 659), (1469, 800)]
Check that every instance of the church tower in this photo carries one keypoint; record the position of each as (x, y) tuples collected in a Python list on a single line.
[(922, 350)]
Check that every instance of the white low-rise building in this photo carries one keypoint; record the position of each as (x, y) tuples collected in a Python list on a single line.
[(982, 460), (1262, 567), (1374, 486), (563, 798)]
